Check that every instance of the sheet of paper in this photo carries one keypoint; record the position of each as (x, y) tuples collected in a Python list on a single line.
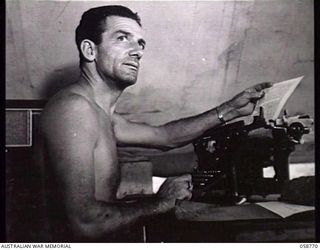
[(157, 182), (284, 209), (274, 100)]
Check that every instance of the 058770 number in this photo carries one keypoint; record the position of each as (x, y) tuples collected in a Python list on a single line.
[(310, 245)]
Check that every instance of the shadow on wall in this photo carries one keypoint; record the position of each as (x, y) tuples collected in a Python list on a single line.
[(59, 79)]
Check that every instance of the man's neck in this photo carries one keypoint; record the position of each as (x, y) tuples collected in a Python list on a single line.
[(103, 91)]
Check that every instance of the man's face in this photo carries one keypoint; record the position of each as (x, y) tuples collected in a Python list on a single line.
[(120, 50)]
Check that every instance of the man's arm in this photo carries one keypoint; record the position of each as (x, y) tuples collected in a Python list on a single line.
[(181, 132), (70, 133)]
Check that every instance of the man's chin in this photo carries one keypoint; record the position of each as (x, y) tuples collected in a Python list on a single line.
[(127, 82), (126, 78)]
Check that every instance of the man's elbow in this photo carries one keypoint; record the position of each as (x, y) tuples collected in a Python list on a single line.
[(88, 231), (94, 229)]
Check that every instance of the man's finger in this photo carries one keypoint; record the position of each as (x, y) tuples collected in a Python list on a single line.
[(262, 86), (186, 195), (256, 95), (189, 196), (185, 177), (190, 186)]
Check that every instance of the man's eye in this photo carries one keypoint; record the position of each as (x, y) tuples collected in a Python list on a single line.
[(122, 38)]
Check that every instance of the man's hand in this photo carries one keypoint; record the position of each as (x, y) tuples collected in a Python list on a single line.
[(175, 188), (244, 103)]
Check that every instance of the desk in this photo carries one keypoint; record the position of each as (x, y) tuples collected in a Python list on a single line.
[(249, 223)]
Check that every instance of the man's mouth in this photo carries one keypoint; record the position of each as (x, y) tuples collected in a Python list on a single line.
[(132, 65)]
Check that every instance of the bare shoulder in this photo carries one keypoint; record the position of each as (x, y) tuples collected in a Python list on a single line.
[(69, 110), (69, 100)]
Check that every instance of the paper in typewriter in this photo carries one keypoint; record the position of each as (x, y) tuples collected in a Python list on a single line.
[(274, 100)]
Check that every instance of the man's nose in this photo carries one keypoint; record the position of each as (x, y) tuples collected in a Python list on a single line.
[(137, 52)]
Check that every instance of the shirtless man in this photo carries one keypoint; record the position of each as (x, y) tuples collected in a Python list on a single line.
[(80, 132)]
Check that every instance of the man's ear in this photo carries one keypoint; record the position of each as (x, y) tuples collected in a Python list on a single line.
[(88, 50)]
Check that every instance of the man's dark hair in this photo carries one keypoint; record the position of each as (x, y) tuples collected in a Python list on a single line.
[(93, 23)]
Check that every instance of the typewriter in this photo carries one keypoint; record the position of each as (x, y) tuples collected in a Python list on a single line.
[(232, 158)]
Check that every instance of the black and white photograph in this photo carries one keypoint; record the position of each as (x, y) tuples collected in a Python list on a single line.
[(160, 122)]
